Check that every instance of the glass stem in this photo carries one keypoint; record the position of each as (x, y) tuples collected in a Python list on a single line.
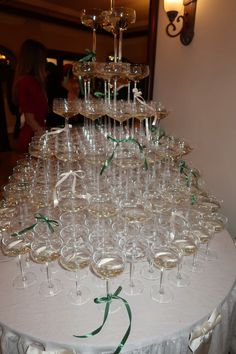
[(78, 291), (115, 48), (194, 263), (23, 277), (120, 44), (115, 94), (161, 289), (107, 287), (207, 248), (49, 278), (179, 276), (94, 41), (131, 274), (151, 268), (129, 92), (89, 88)]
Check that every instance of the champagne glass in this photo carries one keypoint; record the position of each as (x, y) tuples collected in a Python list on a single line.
[(92, 18), (138, 72), (86, 70), (75, 256), (45, 251), (110, 26), (102, 206), (159, 113), (187, 246), (7, 214), (152, 233), (120, 18), (108, 262), (66, 108), (213, 223), (164, 258), (134, 249), (19, 246)]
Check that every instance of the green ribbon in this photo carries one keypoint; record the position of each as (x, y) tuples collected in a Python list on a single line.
[(125, 140), (162, 133), (23, 231), (50, 222), (69, 72), (89, 56), (107, 300), (99, 94), (193, 199), (39, 218), (184, 169)]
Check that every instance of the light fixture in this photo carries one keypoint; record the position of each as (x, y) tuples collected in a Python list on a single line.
[(173, 9)]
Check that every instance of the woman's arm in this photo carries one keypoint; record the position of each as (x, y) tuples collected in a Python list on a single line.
[(34, 125)]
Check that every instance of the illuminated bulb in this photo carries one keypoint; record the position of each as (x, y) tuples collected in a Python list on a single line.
[(173, 5)]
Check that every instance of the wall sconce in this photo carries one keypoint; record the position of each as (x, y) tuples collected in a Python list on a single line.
[(173, 8)]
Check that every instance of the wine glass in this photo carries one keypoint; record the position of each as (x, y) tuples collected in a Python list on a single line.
[(102, 206), (153, 234), (164, 258), (110, 26), (45, 251), (92, 18), (66, 108), (75, 256), (188, 246), (120, 18), (134, 249), (7, 214), (159, 113), (86, 70), (18, 246), (212, 223), (108, 262)]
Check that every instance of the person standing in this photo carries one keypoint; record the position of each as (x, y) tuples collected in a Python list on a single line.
[(29, 92)]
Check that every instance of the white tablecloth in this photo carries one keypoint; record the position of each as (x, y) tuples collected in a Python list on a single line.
[(26, 317)]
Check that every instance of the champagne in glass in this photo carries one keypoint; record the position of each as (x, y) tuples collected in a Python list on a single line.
[(92, 18), (45, 251), (19, 246), (108, 262), (164, 258), (75, 256), (120, 18)]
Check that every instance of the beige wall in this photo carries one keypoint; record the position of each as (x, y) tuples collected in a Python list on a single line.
[(198, 84)]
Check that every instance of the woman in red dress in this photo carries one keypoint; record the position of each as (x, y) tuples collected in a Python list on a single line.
[(29, 92)]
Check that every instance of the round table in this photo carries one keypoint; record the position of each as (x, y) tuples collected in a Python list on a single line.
[(28, 319)]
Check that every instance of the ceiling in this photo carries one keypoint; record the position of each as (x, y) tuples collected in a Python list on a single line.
[(69, 10)]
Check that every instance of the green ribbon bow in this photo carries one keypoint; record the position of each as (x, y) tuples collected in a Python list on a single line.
[(39, 218), (184, 169), (193, 199), (50, 222), (89, 56), (125, 140), (107, 300), (162, 133)]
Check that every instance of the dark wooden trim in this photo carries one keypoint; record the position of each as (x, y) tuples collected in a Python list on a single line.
[(151, 50), (61, 54), (41, 16), (73, 23)]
